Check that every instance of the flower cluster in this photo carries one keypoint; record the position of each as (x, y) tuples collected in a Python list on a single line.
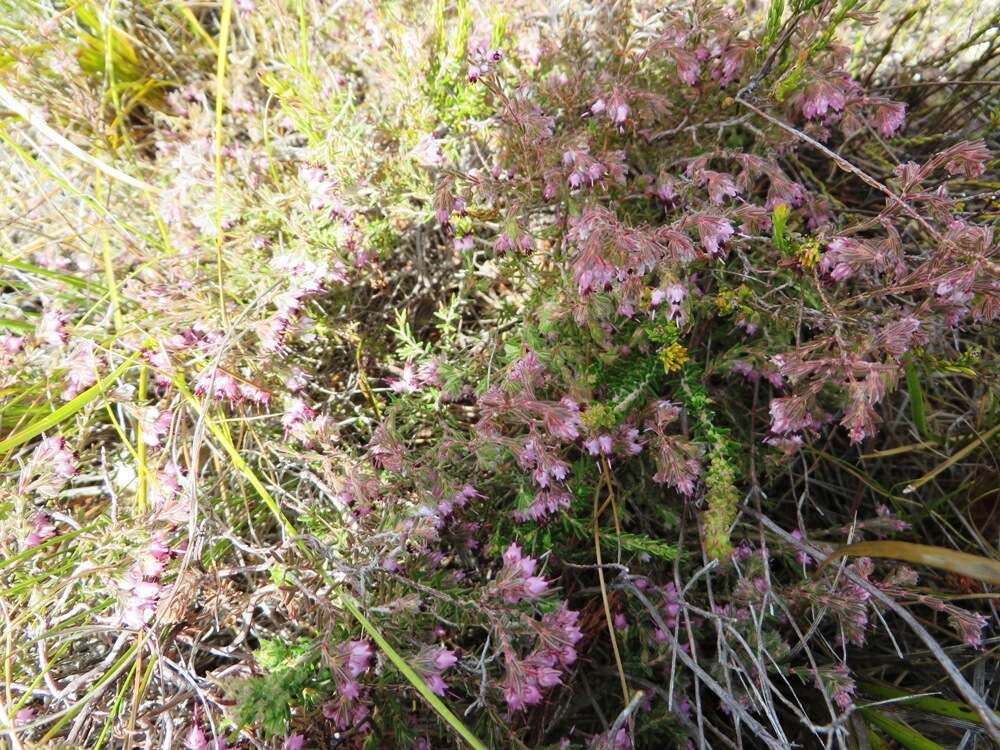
[(350, 707), (140, 587), (516, 580), (51, 465)]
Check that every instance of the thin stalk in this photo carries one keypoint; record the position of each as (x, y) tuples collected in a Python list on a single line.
[(220, 95), (604, 593)]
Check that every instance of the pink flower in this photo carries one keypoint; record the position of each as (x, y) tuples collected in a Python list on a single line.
[(296, 413), (562, 419), (349, 689), (527, 369), (675, 294), (408, 383), (294, 742), (843, 687), (254, 394), (969, 626), (219, 383), (896, 338), (320, 188), (163, 491), (153, 424), (520, 690), (159, 361), (665, 190), (195, 739), (10, 344), (347, 711), (618, 109), (713, 231), (886, 516), (444, 659), (559, 632), (546, 503), (428, 152), (888, 116), (41, 529), (720, 185), (436, 683), (860, 419), (967, 157), (83, 368), (359, 654), (51, 328), (820, 97), (676, 463), (431, 662), (628, 440), (482, 62), (783, 190), (733, 59), (600, 445), (790, 414), (50, 465), (688, 67), (516, 580)]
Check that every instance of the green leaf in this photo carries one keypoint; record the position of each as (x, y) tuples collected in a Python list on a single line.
[(66, 278)]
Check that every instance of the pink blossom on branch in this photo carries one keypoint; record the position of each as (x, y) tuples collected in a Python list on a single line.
[(888, 116), (517, 580), (84, 367), (820, 97), (713, 231), (431, 663), (51, 465)]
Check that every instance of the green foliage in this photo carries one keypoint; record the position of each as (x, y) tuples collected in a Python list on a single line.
[(779, 221), (632, 380), (611, 540), (293, 677), (453, 102), (774, 13), (722, 503), (721, 496)]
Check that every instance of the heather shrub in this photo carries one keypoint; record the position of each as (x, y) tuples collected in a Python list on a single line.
[(437, 374)]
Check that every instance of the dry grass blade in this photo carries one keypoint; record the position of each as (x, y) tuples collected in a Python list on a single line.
[(960, 563), (8, 99), (952, 460)]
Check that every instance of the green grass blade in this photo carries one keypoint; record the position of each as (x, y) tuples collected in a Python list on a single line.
[(64, 412), (928, 703), (184, 12), (66, 278), (918, 407), (906, 736), (16, 325)]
